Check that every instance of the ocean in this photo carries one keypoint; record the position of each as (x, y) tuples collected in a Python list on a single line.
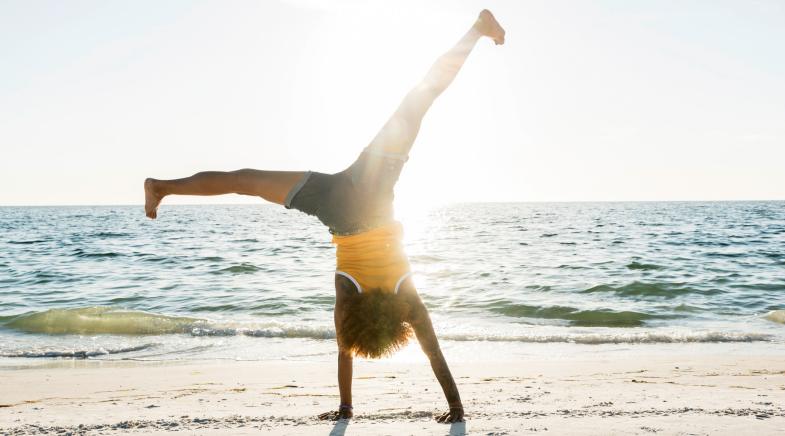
[(255, 282)]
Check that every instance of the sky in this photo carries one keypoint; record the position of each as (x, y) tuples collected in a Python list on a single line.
[(587, 101)]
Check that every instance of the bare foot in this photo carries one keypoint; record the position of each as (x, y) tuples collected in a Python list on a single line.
[(487, 25), (152, 198)]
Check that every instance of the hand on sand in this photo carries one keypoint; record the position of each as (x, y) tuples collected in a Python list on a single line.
[(454, 415), (335, 415)]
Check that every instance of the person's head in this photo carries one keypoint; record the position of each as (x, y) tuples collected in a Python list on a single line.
[(374, 324)]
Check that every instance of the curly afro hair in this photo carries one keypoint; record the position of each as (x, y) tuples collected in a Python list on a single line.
[(373, 324)]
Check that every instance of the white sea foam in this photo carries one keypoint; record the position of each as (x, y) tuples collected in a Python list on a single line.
[(650, 337), (621, 338), (104, 320), (75, 353)]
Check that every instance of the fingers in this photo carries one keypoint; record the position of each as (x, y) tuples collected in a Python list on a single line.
[(444, 418), (329, 416), (334, 415), (450, 417)]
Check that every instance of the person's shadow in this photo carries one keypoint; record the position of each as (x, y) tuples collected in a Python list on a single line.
[(457, 429), (339, 429)]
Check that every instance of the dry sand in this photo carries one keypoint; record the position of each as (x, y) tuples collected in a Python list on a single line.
[(712, 394)]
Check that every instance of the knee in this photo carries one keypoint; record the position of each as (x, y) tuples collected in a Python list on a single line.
[(428, 90), (247, 176), (244, 172)]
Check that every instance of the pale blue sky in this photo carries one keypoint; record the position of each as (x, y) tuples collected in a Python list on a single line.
[(602, 100)]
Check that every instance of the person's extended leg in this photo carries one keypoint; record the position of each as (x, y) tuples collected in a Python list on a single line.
[(398, 134), (273, 186)]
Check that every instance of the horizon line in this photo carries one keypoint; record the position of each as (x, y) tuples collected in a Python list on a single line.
[(267, 203)]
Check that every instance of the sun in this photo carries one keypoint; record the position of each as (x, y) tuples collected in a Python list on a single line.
[(414, 210)]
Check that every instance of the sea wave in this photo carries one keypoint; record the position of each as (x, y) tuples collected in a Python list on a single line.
[(621, 338), (640, 289), (75, 354), (776, 316), (27, 242), (599, 338), (82, 253), (576, 317), (106, 320), (643, 266), (100, 320), (244, 268), (275, 331)]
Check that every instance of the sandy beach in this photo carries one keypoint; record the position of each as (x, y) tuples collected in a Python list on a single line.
[(689, 395)]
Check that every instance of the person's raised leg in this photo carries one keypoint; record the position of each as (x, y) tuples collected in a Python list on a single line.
[(398, 134), (273, 186)]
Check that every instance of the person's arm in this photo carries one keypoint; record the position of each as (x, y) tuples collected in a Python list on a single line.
[(345, 363), (345, 358), (423, 328), (345, 366)]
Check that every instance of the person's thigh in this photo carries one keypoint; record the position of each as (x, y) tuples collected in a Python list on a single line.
[(273, 186), (376, 173)]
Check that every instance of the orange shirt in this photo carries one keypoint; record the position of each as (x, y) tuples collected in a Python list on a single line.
[(374, 259)]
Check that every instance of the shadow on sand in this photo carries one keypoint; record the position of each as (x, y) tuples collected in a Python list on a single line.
[(457, 429), (339, 429)]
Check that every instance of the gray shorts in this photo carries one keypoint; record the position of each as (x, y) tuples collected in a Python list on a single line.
[(354, 200)]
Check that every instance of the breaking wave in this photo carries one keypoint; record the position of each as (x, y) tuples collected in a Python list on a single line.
[(100, 320), (75, 354), (106, 320), (776, 316)]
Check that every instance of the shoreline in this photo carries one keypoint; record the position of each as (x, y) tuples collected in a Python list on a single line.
[(656, 393)]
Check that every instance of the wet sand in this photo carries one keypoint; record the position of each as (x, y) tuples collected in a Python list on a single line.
[(669, 394)]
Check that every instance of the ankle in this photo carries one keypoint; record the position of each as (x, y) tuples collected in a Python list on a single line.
[(156, 187)]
